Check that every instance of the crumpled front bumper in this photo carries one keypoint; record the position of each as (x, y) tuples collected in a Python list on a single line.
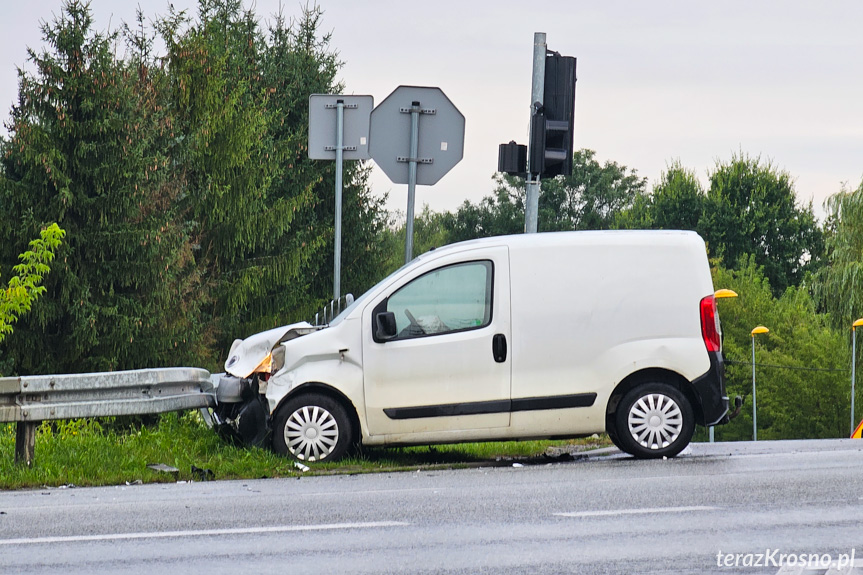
[(241, 414)]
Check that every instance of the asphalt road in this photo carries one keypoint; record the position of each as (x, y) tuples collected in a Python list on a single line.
[(714, 509)]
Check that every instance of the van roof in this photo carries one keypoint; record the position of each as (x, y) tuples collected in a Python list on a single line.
[(592, 237)]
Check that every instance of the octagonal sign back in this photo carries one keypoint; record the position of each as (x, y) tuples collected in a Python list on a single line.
[(440, 131)]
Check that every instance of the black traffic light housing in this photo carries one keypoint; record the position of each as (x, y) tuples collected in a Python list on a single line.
[(512, 159), (553, 124)]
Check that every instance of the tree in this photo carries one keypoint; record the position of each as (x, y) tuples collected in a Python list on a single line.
[(592, 198), (299, 62), (431, 230), (801, 365), (194, 214), (499, 214), (677, 201), (25, 287), (838, 285), (84, 149), (751, 208), (222, 159), (262, 211)]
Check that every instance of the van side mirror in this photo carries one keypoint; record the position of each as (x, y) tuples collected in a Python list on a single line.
[(385, 325)]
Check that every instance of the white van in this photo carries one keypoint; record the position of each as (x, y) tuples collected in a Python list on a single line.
[(552, 335)]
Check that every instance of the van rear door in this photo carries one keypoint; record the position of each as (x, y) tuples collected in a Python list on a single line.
[(447, 367)]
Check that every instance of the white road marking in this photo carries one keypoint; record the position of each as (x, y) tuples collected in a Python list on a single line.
[(645, 511), (201, 533)]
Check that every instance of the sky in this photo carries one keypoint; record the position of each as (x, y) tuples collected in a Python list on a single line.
[(658, 81)]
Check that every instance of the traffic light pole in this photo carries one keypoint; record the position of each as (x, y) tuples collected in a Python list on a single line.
[(531, 207), (531, 203)]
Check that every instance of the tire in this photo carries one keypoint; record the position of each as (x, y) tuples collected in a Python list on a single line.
[(612, 435), (312, 427), (654, 420)]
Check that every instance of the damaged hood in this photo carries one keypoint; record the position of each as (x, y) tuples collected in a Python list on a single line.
[(247, 354)]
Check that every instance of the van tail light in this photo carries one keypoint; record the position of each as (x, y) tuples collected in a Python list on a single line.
[(710, 324)]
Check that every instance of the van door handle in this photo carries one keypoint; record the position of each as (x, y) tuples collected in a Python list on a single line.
[(498, 347)]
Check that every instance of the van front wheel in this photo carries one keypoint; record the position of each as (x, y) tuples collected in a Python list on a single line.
[(312, 427), (654, 420)]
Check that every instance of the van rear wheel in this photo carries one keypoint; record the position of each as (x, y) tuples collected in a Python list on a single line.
[(654, 420), (312, 427)]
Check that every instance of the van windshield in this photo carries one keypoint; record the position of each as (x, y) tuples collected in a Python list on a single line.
[(361, 300)]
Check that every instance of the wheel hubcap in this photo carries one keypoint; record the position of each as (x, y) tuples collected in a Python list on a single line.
[(655, 421), (311, 433)]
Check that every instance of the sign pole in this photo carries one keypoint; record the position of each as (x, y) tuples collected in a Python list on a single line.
[(532, 186), (412, 180), (340, 154)]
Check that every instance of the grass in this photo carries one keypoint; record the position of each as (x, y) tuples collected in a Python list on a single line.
[(91, 452)]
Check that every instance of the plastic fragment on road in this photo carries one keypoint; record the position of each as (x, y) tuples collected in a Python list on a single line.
[(163, 468)]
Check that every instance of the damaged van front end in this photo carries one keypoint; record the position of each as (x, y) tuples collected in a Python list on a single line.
[(241, 414)]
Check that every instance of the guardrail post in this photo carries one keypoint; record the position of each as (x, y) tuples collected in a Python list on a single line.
[(25, 442)]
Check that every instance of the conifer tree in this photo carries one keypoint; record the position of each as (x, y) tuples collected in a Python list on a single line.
[(83, 151), (193, 213), (224, 158), (299, 62), (263, 212)]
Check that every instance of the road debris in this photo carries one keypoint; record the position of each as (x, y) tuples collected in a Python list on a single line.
[(203, 474), (164, 468)]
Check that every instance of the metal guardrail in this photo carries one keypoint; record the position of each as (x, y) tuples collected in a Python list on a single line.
[(29, 400)]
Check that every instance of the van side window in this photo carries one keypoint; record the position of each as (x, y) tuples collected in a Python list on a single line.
[(449, 299)]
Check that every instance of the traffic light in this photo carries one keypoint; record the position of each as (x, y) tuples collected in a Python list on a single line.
[(553, 125), (512, 159)]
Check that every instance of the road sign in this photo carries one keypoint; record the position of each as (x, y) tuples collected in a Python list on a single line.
[(339, 130), (323, 126), (440, 144), (417, 136)]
